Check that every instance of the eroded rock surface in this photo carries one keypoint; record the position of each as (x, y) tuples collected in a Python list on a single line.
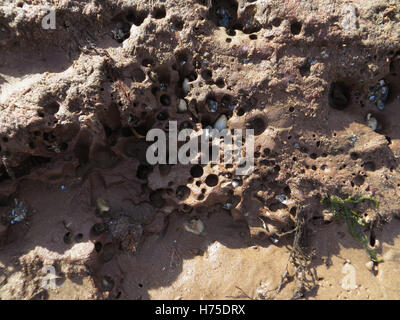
[(77, 101)]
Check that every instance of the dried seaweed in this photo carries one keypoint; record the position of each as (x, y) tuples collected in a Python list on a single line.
[(353, 219)]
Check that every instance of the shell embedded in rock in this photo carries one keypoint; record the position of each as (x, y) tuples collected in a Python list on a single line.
[(235, 183), (372, 122), (221, 123), (185, 86), (369, 265), (102, 206), (195, 226), (182, 106), (281, 216)]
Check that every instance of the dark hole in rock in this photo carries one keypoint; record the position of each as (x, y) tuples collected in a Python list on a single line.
[(51, 107), (192, 76), (108, 252), (359, 180), (196, 171), (156, 199), (354, 155), (148, 62), (339, 96), (258, 125), (107, 283), (240, 112), (63, 146), (165, 100), (162, 116), (372, 238), (178, 24), (98, 246), (78, 237), (220, 82), (142, 129), (137, 17), (143, 171), (295, 27), (159, 13), (369, 166), (98, 229), (206, 75), (126, 132), (182, 192), (138, 75), (121, 32), (305, 69), (276, 22), (68, 238), (212, 180)]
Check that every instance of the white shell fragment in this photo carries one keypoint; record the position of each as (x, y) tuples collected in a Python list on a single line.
[(221, 123), (235, 183), (185, 86), (281, 198), (369, 265), (228, 206), (372, 122), (102, 206), (195, 226), (182, 106)]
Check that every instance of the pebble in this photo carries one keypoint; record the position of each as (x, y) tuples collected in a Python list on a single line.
[(372, 122), (235, 183), (185, 86), (281, 198), (228, 206), (182, 106), (102, 206), (221, 123), (195, 226), (274, 240), (370, 265)]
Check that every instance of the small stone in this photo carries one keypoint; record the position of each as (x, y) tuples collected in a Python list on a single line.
[(185, 86), (235, 183), (195, 226), (102, 206), (221, 123), (107, 283), (274, 240), (372, 122), (228, 206), (281, 198), (370, 265), (182, 106)]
